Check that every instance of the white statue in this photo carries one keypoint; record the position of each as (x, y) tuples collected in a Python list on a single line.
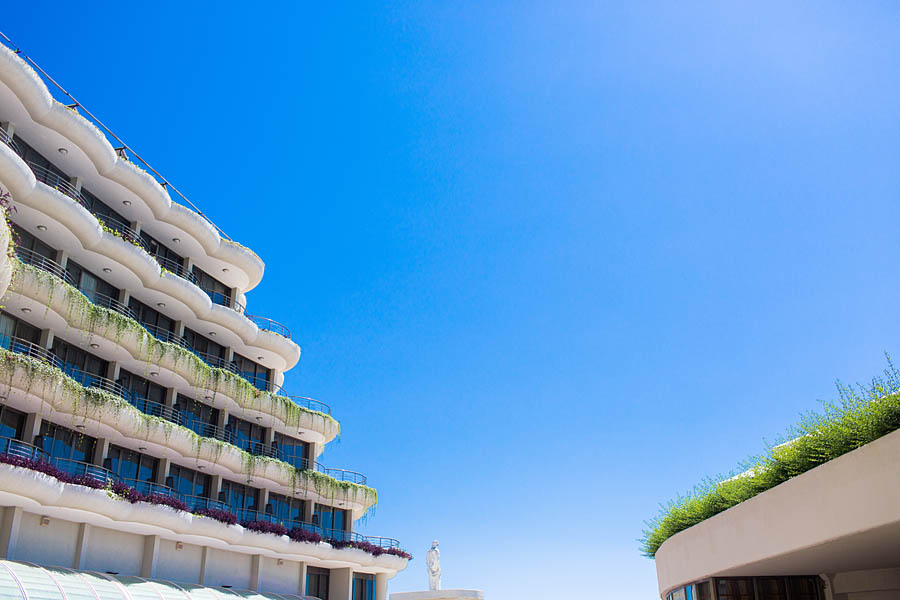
[(433, 564)]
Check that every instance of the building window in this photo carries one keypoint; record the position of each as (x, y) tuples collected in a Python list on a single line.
[(12, 423), (158, 249), (702, 591), (734, 589), (197, 416), (11, 327), (65, 444), (161, 326), (246, 435), (217, 291), (104, 213), (129, 464), (147, 397), (771, 588), (804, 588), (291, 450), (188, 482), (239, 498), (286, 509), (211, 352), (255, 373), (28, 242), (80, 365), (363, 586), (317, 583), (89, 284), (328, 517)]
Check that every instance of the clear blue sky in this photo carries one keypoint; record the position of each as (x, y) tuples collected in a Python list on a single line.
[(551, 264)]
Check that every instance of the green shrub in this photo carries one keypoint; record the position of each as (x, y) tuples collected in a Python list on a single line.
[(862, 415)]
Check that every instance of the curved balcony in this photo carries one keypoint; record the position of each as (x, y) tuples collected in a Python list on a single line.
[(56, 181), (342, 474), (328, 534), (149, 487), (266, 324), (108, 302), (205, 429), (9, 141), (175, 267), (311, 404), (30, 257), (165, 335)]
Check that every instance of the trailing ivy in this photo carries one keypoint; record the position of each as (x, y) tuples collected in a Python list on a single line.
[(92, 402), (92, 319), (862, 415)]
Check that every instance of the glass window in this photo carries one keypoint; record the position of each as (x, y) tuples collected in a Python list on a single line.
[(364, 586), (195, 415), (188, 481), (27, 241), (291, 450), (217, 291), (129, 464), (804, 588), (63, 443), (771, 588), (203, 344), (702, 591), (157, 248), (317, 583), (11, 327), (78, 363), (89, 283), (239, 497), (147, 396), (246, 435), (734, 589), (286, 509), (253, 372), (329, 517), (12, 423)]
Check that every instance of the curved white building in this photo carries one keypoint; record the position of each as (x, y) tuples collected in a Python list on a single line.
[(145, 433)]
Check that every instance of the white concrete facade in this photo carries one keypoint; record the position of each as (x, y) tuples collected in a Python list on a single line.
[(839, 521), (51, 523)]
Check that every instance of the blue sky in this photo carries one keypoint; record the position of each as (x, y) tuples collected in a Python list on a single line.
[(550, 263)]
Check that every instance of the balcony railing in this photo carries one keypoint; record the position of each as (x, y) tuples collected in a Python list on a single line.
[(175, 267), (204, 429), (216, 362), (92, 380), (13, 447), (123, 228), (77, 467), (165, 335), (266, 324), (56, 181), (311, 404), (9, 141), (225, 300), (28, 348), (155, 409), (108, 302), (342, 474), (150, 487), (30, 257)]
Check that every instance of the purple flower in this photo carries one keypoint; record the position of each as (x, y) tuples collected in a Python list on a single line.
[(266, 527), (166, 500), (218, 514)]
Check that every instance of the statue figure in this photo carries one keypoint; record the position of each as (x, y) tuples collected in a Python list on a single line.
[(433, 565)]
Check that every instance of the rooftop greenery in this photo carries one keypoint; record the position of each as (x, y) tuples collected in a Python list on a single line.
[(863, 414)]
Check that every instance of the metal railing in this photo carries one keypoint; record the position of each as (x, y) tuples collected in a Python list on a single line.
[(310, 403), (30, 257), (216, 361), (29, 348), (154, 409), (77, 467), (266, 324), (175, 267), (56, 181), (149, 487), (195, 503), (342, 474), (202, 428), (123, 228), (225, 300), (92, 380), (109, 302), (165, 335), (14, 447), (9, 141)]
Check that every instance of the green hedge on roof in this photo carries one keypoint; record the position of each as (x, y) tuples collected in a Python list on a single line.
[(862, 415)]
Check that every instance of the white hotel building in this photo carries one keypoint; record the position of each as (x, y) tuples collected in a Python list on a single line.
[(130, 363)]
